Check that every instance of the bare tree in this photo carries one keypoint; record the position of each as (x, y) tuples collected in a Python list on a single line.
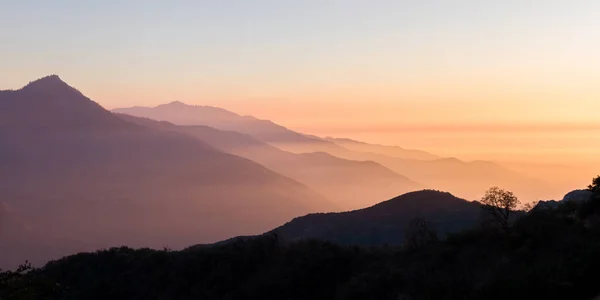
[(499, 204)]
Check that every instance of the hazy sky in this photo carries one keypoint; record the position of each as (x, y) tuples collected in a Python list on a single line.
[(369, 68)]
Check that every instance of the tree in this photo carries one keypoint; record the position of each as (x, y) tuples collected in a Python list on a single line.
[(592, 207), (27, 283), (418, 234), (595, 186), (499, 204)]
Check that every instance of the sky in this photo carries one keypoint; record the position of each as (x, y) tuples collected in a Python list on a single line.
[(512, 80)]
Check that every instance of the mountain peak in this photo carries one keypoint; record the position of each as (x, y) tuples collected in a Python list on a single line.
[(177, 103), (50, 103), (50, 81), (50, 77)]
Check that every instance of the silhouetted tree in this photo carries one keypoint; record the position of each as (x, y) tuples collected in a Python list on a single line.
[(592, 207), (595, 186), (25, 283), (498, 204), (419, 234)]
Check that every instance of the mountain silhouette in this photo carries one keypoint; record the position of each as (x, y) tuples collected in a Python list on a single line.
[(386, 222), (267, 131), (70, 168), (51, 104), (349, 184)]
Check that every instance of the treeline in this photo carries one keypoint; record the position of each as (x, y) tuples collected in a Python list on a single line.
[(548, 253)]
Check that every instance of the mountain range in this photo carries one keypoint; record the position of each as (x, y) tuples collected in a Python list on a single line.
[(74, 170), (347, 183), (466, 179), (77, 176), (267, 131)]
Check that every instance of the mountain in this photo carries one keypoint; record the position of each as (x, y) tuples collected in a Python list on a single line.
[(70, 168), (393, 151), (470, 179), (349, 184), (267, 131), (48, 104), (386, 222), (466, 179), (463, 178)]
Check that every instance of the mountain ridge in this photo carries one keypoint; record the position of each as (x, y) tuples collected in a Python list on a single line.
[(104, 181), (264, 130), (350, 184)]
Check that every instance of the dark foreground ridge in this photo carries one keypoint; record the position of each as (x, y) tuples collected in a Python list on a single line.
[(386, 222), (549, 253)]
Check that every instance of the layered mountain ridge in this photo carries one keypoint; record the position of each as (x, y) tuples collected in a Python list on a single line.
[(73, 169)]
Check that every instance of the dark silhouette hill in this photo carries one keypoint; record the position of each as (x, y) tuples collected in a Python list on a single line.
[(349, 184), (70, 168), (548, 254), (386, 222), (267, 131)]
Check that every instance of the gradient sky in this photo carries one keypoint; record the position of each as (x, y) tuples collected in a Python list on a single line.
[(409, 72)]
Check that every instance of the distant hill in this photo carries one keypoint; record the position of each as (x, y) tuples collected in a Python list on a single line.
[(267, 131), (349, 184), (466, 179), (71, 168), (393, 151), (386, 222)]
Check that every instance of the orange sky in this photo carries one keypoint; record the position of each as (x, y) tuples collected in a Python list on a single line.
[(477, 79)]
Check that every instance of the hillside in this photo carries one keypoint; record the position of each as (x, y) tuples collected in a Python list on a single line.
[(386, 222), (349, 184), (72, 169), (549, 253)]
